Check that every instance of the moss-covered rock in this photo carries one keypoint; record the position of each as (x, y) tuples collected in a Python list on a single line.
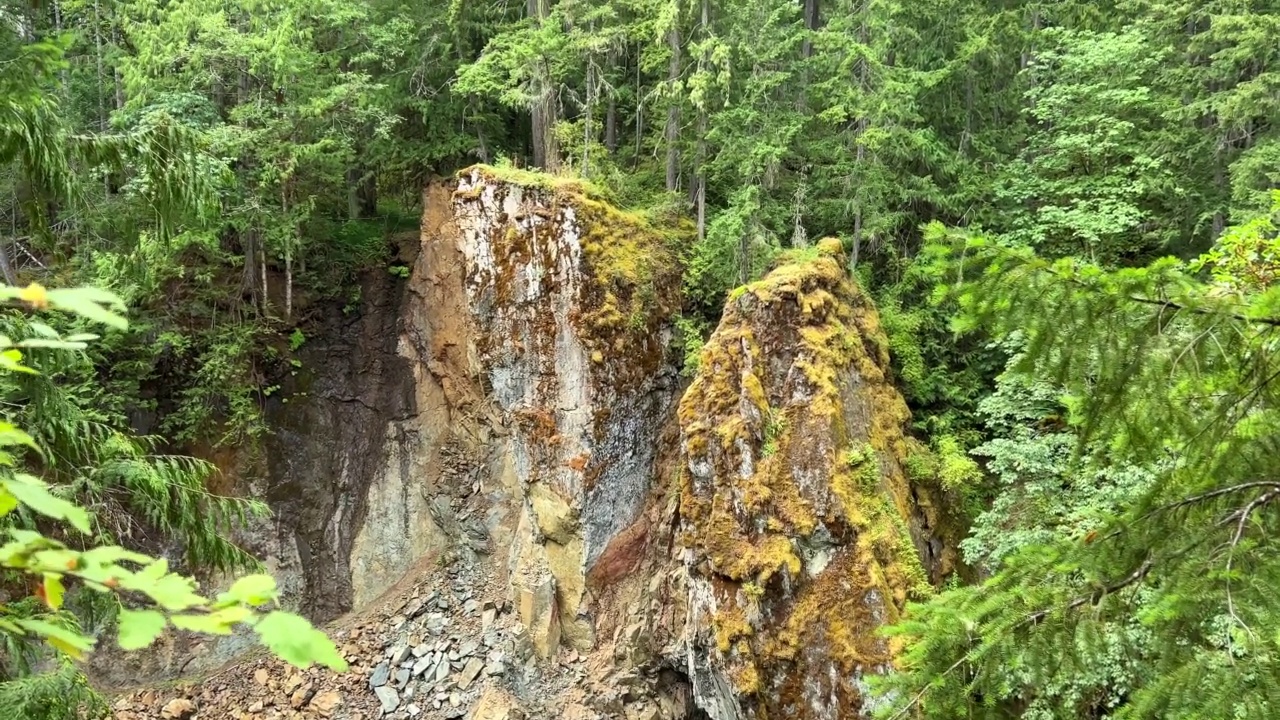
[(804, 531)]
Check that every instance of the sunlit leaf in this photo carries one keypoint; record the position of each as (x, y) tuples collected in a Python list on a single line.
[(68, 641), (34, 493), (139, 628), (53, 591), (294, 640)]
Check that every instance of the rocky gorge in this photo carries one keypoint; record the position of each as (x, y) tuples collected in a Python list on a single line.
[(494, 482)]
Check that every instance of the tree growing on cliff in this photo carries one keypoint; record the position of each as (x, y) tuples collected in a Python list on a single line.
[(1173, 369)]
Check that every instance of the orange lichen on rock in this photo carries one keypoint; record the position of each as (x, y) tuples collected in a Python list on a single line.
[(795, 504)]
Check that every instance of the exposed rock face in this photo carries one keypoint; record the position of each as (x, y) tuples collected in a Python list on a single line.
[(800, 525), (572, 303), (489, 459)]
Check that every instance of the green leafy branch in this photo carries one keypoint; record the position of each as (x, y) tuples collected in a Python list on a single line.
[(160, 598)]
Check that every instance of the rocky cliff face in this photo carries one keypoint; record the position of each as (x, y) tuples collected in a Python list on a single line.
[(802, 533), (506, 428)]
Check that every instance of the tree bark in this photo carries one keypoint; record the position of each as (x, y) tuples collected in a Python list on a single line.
[(543, 114), (6, 266), (698, 190), (102, 97), (368, 194), (611, 126), (673, 111), (811, 15), (353, 193), (586, 119)]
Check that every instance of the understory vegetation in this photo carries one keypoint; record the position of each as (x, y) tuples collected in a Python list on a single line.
[(1066, 211)]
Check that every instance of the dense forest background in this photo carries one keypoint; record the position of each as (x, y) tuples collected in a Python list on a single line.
[(225, 165)]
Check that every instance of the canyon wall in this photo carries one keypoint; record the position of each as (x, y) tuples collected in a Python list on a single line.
[(722, 546)]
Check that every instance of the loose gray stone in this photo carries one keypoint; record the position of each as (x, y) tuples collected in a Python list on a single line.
[(380, 675), (422, 666), (470, 672), (421, 650), (399, 654), (402, 678), (442, 670), (413, 710), (388, 698), (469, 648), (495, 669)]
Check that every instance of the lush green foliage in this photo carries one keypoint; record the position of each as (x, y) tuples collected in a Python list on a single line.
[(230, 168), (1131, 549), (152, 598)]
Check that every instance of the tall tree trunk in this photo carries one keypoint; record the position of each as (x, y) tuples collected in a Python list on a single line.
[(249, 282), (543, 113), (262, 265), (353, 192), (368, 193), (6, 266), (699, 187), (639, 116), (863, 79), (611, 125), (811, 15), (810, 11), (288, 255), (673, 110), (115, 73), (102, 93), (586, 118)]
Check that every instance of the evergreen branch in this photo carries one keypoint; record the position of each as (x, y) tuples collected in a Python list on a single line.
[(1245, 514), (1202, 497), (1132, 578), (1179, 307)]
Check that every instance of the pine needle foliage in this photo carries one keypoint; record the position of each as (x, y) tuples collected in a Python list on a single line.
[(55, 695), (1163, 370)]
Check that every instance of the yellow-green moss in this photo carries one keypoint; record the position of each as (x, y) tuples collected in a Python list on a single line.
[(521, 177), (729, 626), (796, 376)]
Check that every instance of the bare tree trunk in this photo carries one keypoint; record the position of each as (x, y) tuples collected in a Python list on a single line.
[(288, 281), (288, 256), (250, 279), (1219, 184), (810, 11), (102, 99), (699, 187), (611, 126), (368, 193), (864, 83), (10, 277), (967, 139), (811, 14), (639, 116), (115, 73), (543, 113), (586, 117), (673, 110), (262, 264), (353, 192)]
